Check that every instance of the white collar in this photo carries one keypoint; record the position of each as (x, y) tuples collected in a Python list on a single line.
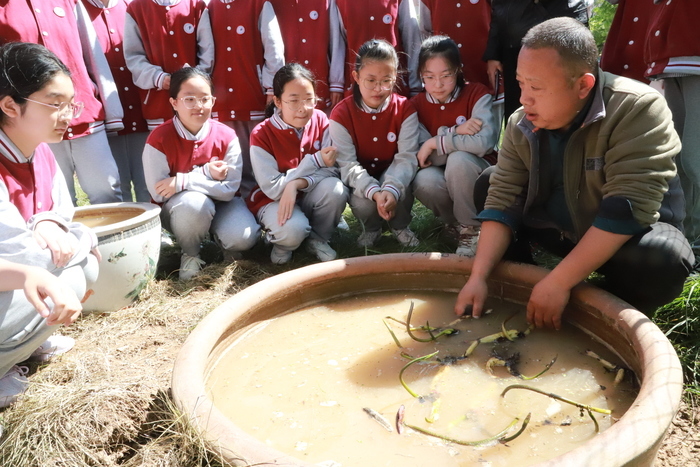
[(379, 109), (184, 133), (451, 98)]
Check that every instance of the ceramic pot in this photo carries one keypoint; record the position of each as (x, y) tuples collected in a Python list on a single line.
[(129, 241), (632, 441)]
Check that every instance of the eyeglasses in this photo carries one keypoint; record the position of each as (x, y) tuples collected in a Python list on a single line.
[(70, 109), (297, 104), (192, 102), (384, 84), (444, 79)]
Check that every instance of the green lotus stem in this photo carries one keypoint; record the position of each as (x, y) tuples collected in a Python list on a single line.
[(393, 336), (546, 368), (483, 442), (403, 323), (427, 328), (595, 422), (519, 432), (506, 333), (559, 398), (419, 359)]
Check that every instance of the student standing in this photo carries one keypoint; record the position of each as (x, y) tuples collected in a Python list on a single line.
[(160, 37), (84, 150), (299, 194), (193, 168), (673, 54), (395, 21), (465, 22), (457, 130), (107, 20), (306, 25), (376, 133)]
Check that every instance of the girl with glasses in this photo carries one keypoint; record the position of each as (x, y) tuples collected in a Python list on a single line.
[(457, 130), (37, 103), (300, 195), (193, 170), (376, 133)]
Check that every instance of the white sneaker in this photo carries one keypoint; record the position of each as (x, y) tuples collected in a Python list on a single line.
[(468, 239), (56, 344), (280, 256), (406, 237), (368, 238), (190, 266), (13, 384), (322, 250)]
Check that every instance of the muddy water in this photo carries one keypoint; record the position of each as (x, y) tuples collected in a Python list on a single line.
[(300, 382), (101, 219)]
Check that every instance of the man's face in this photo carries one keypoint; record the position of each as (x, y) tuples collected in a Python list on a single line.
[(549, 98)]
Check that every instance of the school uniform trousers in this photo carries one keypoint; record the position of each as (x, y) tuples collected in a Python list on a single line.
[(281, 154)]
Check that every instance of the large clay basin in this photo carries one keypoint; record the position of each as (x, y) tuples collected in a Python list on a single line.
[(633, 441), (129, 241)]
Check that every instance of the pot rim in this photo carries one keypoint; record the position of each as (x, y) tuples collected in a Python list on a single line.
[(637, 435), (149, 211)]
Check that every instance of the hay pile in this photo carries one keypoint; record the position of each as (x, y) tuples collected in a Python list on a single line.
[(107, 403)]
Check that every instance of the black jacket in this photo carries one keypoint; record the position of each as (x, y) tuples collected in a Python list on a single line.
[(511, 19)]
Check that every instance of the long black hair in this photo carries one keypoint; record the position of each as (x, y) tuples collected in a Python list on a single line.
[(377, 50), (445, 48), (26, 68), (284, 75)]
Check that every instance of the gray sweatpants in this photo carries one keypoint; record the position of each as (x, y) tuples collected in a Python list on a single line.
[(90, 158), (316, 215), (683, 97), (128, 151), (22, 329), (190, 215), (365, 210), (448, 190)]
